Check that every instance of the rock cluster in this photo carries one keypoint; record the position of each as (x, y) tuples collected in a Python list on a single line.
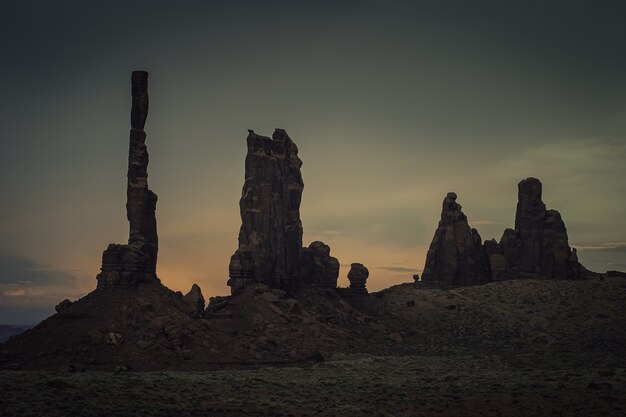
[(358, 277), (537, 247), (318, 267), (136, 261), (456, 255), (270, 248)]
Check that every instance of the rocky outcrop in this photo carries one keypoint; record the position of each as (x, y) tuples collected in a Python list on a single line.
[(538, 246), (317, 267), (270, 238), (530, 218), (136, 261), (63, 305), (358, 278), (455, 256), (195, 300)]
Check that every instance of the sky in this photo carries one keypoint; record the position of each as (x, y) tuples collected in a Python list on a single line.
[(392, 104)]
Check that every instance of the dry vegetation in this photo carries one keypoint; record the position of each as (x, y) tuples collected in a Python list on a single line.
[(468, 385)]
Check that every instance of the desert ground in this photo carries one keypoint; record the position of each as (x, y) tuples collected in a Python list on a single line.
[(516, 348), (345, 385)]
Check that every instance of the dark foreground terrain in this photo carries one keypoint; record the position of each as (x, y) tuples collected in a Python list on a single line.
[(514, 348), (358, 385)]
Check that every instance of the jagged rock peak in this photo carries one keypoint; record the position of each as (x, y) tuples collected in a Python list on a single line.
[(451, 210), (270, 238), (318, 267), (455, 256), (136, 261), (195, 299)]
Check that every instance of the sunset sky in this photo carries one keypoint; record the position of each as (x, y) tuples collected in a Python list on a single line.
[(392, 104)]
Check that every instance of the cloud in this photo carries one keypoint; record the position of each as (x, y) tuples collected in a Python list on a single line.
[(30, 290), (17, 292), (603, 257), (605, 247), (390, 225), (18, 270), (399, 269), (325, 232)]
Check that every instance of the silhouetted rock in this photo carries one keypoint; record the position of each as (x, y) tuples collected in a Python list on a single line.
[(318, 267), (555, 250), (538, 247), (62, 305), (358, 278), (455, 255), (511, 249), (135, 262), (530, 219), (499, 267), (270, 238), (195, 299)]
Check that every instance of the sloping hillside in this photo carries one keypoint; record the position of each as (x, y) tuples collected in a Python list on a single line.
[(152, 328)]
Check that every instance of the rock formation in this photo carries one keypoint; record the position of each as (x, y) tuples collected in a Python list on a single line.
[(136, 261), (456, 255), (318, 267), (270, 248), (195, 299), (270, 238), (538, 246), (358, 277)]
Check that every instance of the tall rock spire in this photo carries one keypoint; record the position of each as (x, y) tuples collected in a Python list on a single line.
[(530, 218), (141, 201), (135, 262), (540, 238)]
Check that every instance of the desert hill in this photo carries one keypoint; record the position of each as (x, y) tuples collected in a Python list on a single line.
[(153, 328)]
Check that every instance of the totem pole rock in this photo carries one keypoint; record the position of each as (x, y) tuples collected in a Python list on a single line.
[(270, 238), (456, 255), (136, 261), (318, 267), (358, 277)]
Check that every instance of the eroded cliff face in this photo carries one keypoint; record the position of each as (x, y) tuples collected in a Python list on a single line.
[(270, 248), (317, 267), (270, 238), (136, 261), (455, 256)]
